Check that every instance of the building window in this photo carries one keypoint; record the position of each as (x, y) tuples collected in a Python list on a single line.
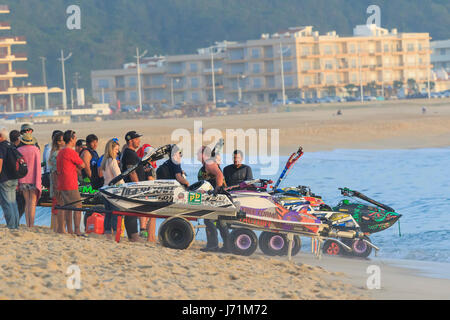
[(329, 65), (306, 65), (287, 52), (121, 95), (103, 83), (147, 95), (327, 49), (194, 83), (307, 80), (270, 82), (257, 83), (269, 66), (352, 48), (132, 82), (120, 82), (158, 80), (287, 65), (305, 51), (132, 96), (193, 67), (330, 79), (289, 81), (260, 97), (256, 53), (256, 68), (410, 47), (195, 96)]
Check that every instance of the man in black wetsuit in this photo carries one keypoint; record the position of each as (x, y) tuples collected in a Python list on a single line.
[(237, 172)]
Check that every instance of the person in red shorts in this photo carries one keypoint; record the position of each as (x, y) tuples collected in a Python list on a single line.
[(68, 165)]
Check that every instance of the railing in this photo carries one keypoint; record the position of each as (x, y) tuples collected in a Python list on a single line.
[(22, 38)]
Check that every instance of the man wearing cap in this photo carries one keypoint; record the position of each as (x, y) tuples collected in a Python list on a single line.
[(130, 159)]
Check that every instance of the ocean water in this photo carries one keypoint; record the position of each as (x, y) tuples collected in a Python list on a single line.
[(415, 183)]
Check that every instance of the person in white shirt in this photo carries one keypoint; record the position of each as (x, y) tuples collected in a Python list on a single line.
[(110, 169)]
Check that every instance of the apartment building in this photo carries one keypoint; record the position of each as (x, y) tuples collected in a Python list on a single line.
[(440, 57), (13, 97), (298, 62)]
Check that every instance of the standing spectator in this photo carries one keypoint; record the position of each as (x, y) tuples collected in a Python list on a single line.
[(80, 146), (237, 172), (110, 168), (7, 186), (130, 159), (150, 174), (68, 164), (57, 144), (46, 158), (211, 172), (26, 128), (90, 158), (31, 184), (14, 138)]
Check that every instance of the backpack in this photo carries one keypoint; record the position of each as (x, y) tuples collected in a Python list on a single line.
[(15, 163)]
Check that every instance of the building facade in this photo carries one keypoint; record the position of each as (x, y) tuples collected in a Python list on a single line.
[(297, 62), (16, 98)]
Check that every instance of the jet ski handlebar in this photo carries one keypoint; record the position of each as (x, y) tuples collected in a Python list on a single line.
[(154, 155)]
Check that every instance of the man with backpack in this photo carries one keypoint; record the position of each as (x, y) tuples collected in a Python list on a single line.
[(90, 158), (8, 183)]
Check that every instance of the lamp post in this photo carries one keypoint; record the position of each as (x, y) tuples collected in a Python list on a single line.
[(62, 59), (30, 107), (138, 58), (44, 80), (171, 90), (212, 76), (360, 76), (283, 90), (239, 77)]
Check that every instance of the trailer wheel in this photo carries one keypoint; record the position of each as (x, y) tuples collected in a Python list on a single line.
[(332, 248), (276, 244), (361, 249), (176, 233), (243, 242)]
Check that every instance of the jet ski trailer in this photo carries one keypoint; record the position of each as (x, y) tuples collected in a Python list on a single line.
[(166, 199)]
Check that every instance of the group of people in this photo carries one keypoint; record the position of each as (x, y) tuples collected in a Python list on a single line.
[(68, 162)]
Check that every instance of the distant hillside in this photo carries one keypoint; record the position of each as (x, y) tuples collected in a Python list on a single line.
[(111, 29)]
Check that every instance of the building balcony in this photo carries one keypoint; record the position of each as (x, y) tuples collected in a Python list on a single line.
[(216, 71), (154, 86), (5, 26), (5, 75), (13, 57), (12, 40), (4, 9)]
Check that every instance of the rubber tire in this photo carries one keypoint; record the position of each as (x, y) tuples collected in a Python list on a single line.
[(332, 248), (237, 235), (365, 253), (176, 233), (264, 244), (297, 246)]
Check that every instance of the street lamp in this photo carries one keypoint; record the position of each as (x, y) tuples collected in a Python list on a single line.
[(239, 77), (138, 57), (62, 59), (171, 89), (283, 89)]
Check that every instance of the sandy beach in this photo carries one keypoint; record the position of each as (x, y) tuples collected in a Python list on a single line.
[(376, 125), (34, 265), (34, 262)]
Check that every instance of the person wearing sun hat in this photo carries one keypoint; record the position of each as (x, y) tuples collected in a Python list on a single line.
[(26, 128), (31, 184)]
